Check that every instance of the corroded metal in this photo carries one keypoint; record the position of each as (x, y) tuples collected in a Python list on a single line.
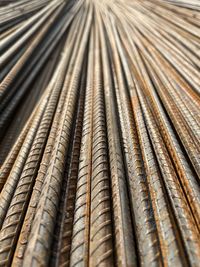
[(100, 133)]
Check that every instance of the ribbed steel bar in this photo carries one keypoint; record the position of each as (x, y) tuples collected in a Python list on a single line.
[(100, 133)]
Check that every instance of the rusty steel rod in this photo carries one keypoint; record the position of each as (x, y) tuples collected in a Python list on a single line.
[(100, 133)]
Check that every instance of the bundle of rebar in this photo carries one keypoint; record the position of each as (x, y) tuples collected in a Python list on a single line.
[(100, 133)]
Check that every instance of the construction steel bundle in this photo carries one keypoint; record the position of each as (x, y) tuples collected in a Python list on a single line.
[(100, 133)]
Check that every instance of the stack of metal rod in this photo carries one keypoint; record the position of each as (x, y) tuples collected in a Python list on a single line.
[(100, 133)]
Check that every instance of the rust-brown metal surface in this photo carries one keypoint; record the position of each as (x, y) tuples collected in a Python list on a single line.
[(100, 133)]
